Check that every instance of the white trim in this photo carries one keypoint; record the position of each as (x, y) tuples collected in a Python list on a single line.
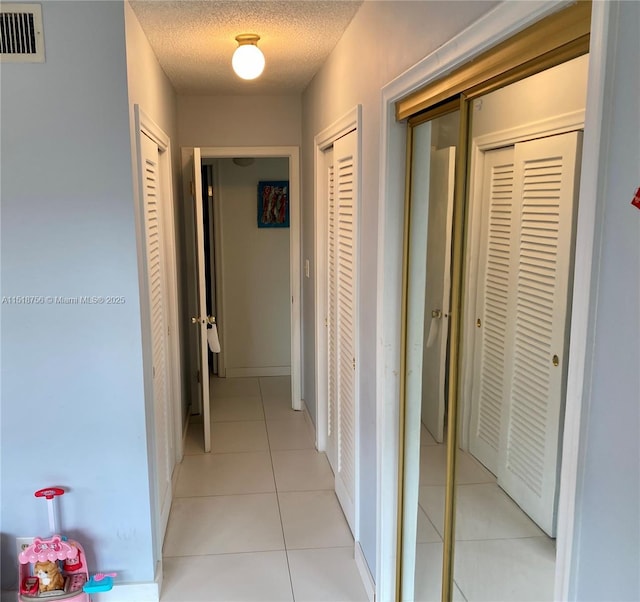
[(307, 419), (502, 22), (293, 154), (339, 128), (591, 184), (558, 124), (258, 371), (365, 573), (357, 334), (130, 592), (218, 255), (350, 121)]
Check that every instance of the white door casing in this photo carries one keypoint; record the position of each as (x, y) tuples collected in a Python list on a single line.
[(346, 185), (437, 290), (201, 319), (331, 321), (159, 308), (156, 282), (292, 153)]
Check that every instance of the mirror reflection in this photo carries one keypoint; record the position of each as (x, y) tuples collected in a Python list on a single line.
[(523, 170), (428, 289)]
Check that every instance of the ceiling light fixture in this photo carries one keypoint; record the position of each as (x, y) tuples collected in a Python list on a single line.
[(248, 60)]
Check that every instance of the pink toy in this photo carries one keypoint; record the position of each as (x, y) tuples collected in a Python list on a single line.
[(55, 568)]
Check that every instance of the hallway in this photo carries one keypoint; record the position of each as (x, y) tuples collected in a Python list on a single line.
[(257, 519)]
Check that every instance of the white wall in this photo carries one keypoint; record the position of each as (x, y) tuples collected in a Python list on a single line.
[(239, 120), (384, 39), (73, 411), (533, 99), (149, 87), (607, 540), (255, 271)]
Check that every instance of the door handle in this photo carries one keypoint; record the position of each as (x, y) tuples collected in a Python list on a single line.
[(207, 320), (434, 326)]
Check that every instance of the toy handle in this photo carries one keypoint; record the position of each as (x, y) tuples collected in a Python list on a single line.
[(50, 493)]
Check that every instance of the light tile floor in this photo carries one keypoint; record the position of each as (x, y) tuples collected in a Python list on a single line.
[(257, 519), (500, 553)]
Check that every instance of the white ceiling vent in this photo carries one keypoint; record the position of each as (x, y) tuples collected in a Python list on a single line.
[(21, 37)]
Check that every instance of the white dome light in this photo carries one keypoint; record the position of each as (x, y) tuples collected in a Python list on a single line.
[(248, 60)]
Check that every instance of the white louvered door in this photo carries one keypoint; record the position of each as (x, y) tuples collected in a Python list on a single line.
[(546, 186), (525, 275), (345, 191), (489, 387), (332, 330), (159, 344)]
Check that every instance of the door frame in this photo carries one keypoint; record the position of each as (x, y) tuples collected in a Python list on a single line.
[(144, 125), (322, 141), (499, 24), (292, 153)]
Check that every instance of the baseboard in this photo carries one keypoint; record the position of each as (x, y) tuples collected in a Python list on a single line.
[(125, 592), (130, 592), (249, 372), (365, 573), (308, 421), (185, 427)]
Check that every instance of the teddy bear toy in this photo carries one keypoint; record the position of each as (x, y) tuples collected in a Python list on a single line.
[(49, 575)]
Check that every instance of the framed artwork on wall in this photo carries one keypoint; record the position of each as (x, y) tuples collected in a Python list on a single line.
[(273, 204)]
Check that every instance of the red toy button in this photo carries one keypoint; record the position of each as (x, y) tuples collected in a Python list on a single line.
[(636, 199), (49, 493)]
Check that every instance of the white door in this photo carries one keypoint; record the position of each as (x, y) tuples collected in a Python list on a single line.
[(523, 318), (201, 320), (345, 193), (546, 188), (437, 290), (492, 307), (156, 280)]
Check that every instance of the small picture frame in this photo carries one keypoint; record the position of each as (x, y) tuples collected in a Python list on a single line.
[(273, 204)]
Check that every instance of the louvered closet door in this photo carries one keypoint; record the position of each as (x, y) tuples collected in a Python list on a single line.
[(345, 271), (493, 325), (546, 186), (156, 282), (332, 328)]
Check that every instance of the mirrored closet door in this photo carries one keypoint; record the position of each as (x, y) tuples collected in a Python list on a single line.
[(430, 217), (492, 188)]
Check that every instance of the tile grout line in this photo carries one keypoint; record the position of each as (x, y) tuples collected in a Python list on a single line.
[(284, 540)]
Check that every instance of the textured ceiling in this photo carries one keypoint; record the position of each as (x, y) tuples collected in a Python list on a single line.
[(194, 40)]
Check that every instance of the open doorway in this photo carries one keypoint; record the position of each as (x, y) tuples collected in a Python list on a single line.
[(255, 270)]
